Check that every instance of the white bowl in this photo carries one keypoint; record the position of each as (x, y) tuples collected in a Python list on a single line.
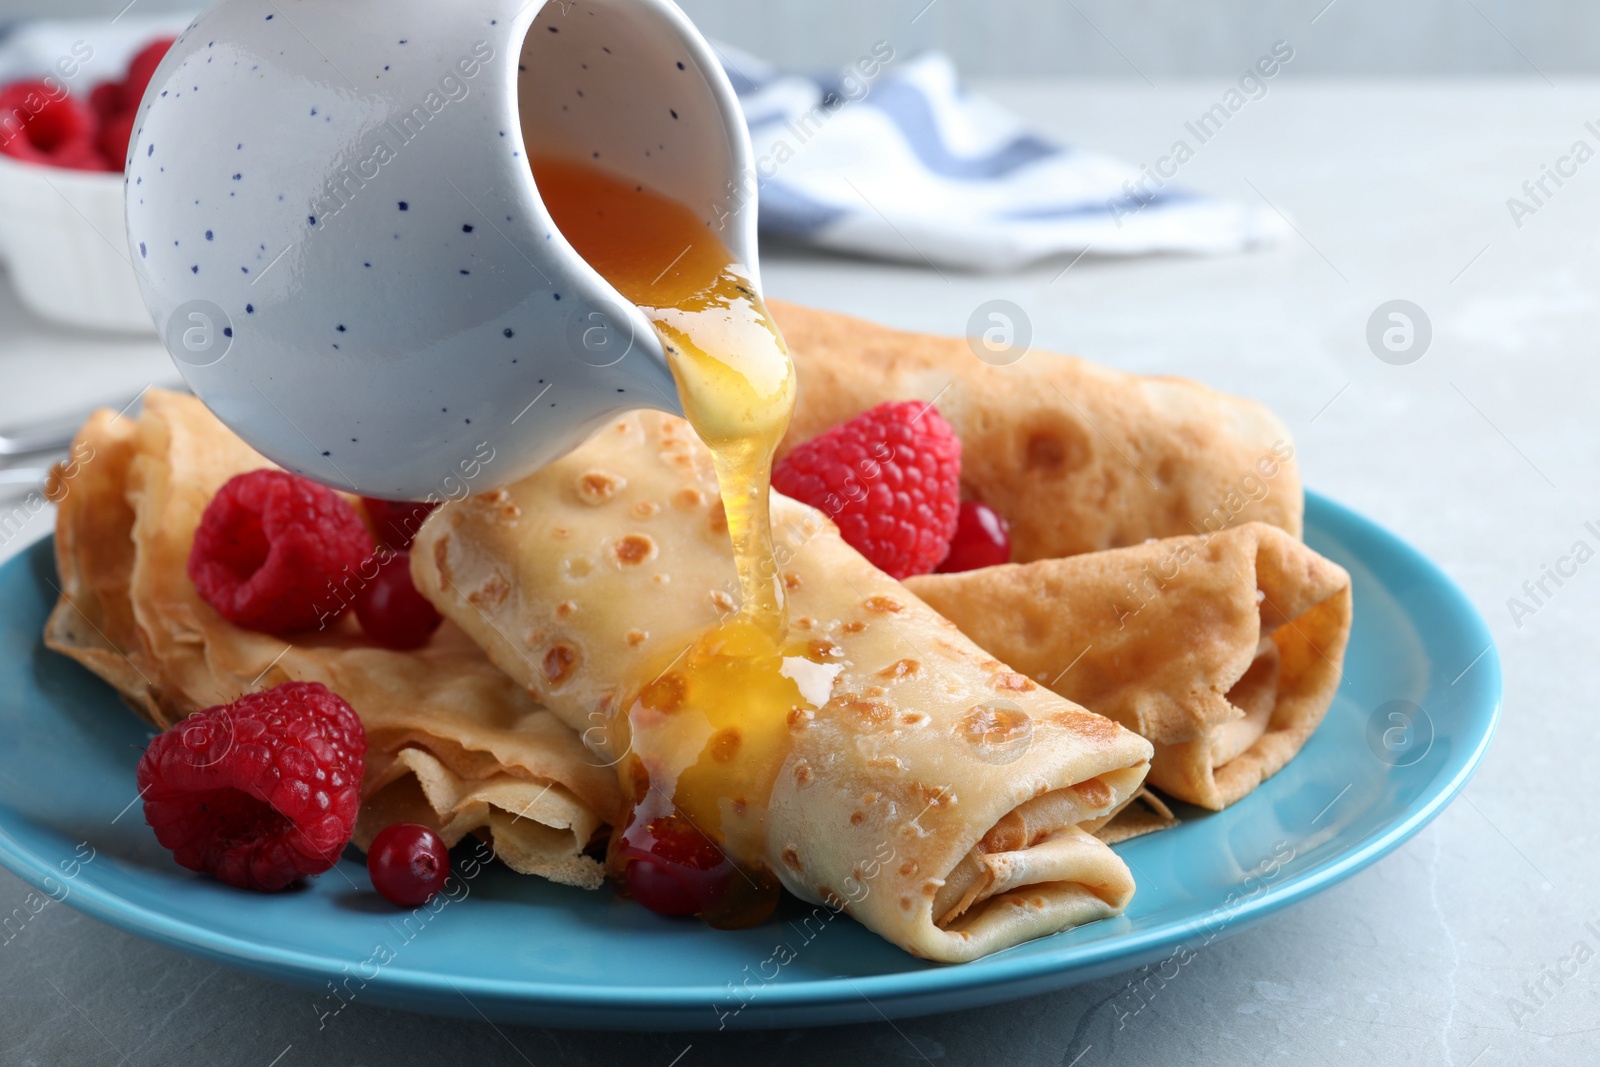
[(65, 244)]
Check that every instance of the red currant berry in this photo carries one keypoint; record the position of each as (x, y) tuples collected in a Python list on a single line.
[(672, 868), (396, 522), (982, 540), (391, 610), (658, 888), (408, 864)]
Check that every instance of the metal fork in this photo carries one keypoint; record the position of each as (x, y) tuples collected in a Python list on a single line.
[(41, 444), (19, 481), (55, 434)]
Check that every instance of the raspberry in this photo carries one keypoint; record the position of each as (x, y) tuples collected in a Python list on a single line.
[(112, 140), (42, 127), (141, 68), (273, 551), (890, 478), (260, 792), (106, 100)]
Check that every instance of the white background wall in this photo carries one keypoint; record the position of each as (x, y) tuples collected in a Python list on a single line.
[(1150, 39)]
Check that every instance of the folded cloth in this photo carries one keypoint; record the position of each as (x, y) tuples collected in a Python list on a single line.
[(895, 159), (892, 159)]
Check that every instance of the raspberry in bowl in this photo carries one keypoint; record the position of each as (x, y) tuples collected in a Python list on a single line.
[(64, 131)]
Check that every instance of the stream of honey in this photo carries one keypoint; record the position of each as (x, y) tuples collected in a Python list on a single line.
[(707, 729)]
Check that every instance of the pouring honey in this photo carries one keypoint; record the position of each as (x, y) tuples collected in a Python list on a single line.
[(706, 730)]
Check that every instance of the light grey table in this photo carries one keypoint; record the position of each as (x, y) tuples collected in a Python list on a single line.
[(1483, 454)]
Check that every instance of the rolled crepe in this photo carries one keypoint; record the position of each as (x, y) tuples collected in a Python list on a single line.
[(453, 742), (944, 800), (1223, 650), (1077, 457)]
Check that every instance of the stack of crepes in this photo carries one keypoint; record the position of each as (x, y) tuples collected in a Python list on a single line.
[(1161, 577), (942, 792), (452, 742), (946, 800)]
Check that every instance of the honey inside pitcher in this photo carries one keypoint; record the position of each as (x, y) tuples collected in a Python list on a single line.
[(706, 730)]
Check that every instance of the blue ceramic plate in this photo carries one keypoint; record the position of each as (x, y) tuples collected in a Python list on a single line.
[(1418, 704)]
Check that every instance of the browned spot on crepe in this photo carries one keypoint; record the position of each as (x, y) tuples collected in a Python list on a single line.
[(1095, 793), (900, 668), (634, 549), (665, 694), (995, 725), (491, 594), (1087, 723), (597, 487), (1011, 681), (559, 662), (863, 714)]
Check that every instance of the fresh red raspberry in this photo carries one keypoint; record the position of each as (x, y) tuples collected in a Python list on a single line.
[(106, 100), (890, 478), (275, 552), (260, 792), (141, 68), (40, 126), (112, 140)]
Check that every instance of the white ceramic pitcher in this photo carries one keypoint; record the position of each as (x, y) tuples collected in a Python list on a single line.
[(336, 228)]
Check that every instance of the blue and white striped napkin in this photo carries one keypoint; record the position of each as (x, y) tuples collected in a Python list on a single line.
[(891, 158), (894, 159)]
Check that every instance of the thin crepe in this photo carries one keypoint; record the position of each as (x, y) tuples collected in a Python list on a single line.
[(946, 801), (1077, 457), (442, 723), (1224, 650)]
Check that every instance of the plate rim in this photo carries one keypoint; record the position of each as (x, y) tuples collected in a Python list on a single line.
[(929, 982)]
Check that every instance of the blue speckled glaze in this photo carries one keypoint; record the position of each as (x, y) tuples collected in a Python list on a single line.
[(522, 950), (361, 212)]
